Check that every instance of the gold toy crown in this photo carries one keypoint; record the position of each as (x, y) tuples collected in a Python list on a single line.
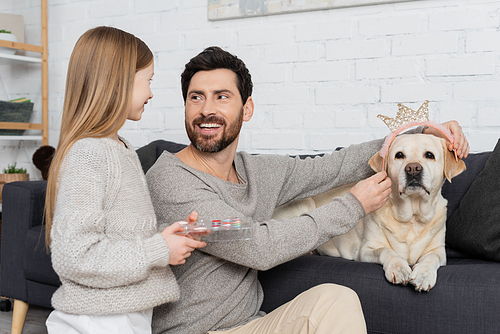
[(406, 115)]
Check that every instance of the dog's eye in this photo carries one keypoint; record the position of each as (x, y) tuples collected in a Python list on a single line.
[(429, 155), (399, 155)]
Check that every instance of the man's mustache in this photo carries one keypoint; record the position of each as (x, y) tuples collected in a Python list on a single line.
[(210, 119)]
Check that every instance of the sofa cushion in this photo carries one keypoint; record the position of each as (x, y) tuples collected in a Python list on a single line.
[(474, 227), (169, 146), (459, 185), (147, 155)]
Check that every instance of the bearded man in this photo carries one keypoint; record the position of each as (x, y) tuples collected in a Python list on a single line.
[(220, 291)]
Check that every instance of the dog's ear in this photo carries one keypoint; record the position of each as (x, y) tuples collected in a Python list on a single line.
[(452, 165), (376, 162)]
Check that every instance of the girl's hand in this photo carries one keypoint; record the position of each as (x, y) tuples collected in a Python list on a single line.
[(191, 219), (180, 246)]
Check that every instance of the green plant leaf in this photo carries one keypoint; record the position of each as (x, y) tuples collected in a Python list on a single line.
[(11, 169)]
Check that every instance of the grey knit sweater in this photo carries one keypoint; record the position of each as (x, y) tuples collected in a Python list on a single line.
[(106, 247), (219, 285)]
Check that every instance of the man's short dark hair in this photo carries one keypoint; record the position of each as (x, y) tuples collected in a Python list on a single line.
[(213, 58)]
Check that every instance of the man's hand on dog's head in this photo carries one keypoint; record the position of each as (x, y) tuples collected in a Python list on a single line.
[(373, 192), (460, 143)]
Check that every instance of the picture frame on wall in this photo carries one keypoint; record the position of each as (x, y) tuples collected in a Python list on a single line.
[(231, 9)]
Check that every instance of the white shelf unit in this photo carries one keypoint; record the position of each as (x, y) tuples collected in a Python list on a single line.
[(21, 137), (7, 59)]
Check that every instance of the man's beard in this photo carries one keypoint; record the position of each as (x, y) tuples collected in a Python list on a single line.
[(209, 144)]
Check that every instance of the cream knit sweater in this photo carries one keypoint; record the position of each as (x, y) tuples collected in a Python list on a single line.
[(106, 247)]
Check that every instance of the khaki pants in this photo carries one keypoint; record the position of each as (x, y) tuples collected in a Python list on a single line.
[(326, 308)]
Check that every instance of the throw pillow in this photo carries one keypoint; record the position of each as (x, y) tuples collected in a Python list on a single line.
[(474, 227)]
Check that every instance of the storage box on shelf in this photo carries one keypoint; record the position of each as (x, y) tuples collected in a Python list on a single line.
[(15, 112)]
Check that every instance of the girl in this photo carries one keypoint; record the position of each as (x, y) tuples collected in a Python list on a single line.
[(101, 225)]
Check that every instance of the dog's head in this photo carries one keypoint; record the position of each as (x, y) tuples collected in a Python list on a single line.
[(418, 164)]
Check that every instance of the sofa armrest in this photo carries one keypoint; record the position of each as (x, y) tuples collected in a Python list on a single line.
[(22, 209)]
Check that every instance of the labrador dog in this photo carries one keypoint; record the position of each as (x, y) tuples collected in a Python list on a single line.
[(407, 234)]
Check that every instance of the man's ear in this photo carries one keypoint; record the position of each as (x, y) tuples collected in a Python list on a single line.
[(376, 162), (248, 109), (452, 165)]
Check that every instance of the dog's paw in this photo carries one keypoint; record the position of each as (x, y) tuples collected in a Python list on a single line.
[(423, 277), (397, 272)]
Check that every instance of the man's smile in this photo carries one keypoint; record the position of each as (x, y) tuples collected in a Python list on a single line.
[(209, 129), (209, 125)]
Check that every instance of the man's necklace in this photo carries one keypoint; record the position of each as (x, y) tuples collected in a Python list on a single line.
[(203, 163)]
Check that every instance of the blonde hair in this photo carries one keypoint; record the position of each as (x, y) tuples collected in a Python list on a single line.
[(98, 95)]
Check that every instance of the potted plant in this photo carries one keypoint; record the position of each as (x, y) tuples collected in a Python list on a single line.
[(7, 35), (11, 174)]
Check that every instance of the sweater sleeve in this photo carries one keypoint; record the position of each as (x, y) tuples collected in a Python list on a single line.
[(82, 251), (312, 176), (277, 241)]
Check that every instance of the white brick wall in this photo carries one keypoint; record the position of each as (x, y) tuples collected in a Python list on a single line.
[(320, 77)]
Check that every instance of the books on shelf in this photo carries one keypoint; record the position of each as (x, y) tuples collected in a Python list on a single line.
[(20, 100)]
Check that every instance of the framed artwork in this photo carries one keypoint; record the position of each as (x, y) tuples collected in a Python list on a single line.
[(230, 9)]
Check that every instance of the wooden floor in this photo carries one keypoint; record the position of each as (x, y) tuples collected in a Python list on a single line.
[(35, 321)]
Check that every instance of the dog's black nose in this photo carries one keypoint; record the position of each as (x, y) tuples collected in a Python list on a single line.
[(413, 168)]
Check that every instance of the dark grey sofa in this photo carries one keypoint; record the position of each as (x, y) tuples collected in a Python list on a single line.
[(466, 298)]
